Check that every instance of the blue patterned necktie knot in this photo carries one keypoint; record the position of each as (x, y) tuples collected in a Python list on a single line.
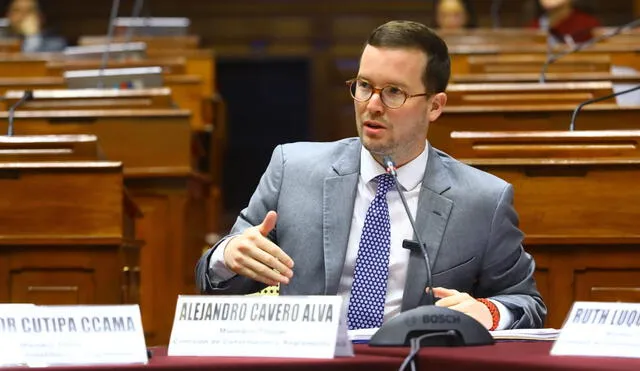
[(369, 289)]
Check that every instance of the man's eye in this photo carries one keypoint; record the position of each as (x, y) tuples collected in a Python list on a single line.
[(394, 91)]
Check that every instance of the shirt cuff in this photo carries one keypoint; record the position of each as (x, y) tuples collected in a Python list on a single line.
[(506, 317), (218, 270)]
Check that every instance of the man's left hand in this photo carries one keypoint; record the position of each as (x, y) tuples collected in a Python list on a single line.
[(463, 302)]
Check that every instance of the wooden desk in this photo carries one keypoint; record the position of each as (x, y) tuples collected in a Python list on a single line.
[(630, 36), (47, 148), (549, 77), (480, 36), (170, 65), (175, 62), (65, 99), (153, 42), (199, 62), (65, 234), (619, 54), (488, 38), (31, 83), (186, 91), (534, 117), (155, 148), (519, 145), (21, 65), (146, 141), (10, 45), (575, 195), (533, 63), (525, 93)]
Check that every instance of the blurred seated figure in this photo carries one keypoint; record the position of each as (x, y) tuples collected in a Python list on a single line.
[(27, 21), (565, 20), (455, 15)]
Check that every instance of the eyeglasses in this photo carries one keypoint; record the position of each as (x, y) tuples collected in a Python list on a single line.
[(391, 96)]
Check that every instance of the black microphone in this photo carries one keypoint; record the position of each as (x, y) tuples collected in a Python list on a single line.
[(572, 125), (391, 169), (443, 326), (586, 44), (115, 5), (27, 96)]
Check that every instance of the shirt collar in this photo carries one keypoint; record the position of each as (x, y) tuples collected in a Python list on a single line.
[(410, 175)]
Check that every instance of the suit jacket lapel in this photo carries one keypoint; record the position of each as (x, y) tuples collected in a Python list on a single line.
[(431, 221), (337, 209)]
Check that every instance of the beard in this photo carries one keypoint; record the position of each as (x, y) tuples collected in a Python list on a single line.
[(377, 146), (401, 146)]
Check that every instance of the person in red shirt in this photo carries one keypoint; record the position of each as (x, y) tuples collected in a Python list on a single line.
[(566, 21)]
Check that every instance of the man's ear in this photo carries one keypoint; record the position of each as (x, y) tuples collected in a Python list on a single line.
[(438, 102)]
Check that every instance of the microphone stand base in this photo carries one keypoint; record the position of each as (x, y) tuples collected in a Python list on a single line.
[(457, 329)]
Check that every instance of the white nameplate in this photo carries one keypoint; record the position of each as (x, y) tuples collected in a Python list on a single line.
[(260, 326), (600, 329), (73, 335), (10, 352)]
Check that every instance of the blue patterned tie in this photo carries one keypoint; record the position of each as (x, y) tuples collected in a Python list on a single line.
[(369, 290)]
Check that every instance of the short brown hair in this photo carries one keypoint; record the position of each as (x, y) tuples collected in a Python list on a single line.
[(415, 35)]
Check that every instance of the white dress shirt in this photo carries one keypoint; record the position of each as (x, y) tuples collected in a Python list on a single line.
[(410, 178)]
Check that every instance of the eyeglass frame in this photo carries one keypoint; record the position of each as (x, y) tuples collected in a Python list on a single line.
[(378, 91)]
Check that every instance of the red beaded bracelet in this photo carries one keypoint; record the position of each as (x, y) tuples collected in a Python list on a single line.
[(495, 313)]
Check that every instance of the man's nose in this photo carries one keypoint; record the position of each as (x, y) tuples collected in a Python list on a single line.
[(375, 103)]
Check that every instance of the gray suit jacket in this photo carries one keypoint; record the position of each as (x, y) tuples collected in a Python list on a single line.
[(465, 217)]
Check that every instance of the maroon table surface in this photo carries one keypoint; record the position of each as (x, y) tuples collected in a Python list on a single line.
[(520, 356), (160, 361)]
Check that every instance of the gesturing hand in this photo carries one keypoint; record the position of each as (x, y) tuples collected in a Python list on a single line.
[(253, 255), (463, 302)]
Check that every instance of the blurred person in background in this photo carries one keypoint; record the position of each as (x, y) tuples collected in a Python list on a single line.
[(27, 21), (455, 15), (567, 21)]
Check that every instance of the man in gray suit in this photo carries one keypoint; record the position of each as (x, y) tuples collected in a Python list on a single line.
[(303, 225)]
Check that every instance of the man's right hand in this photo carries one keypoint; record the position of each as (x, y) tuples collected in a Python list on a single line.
[(253, 255)]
